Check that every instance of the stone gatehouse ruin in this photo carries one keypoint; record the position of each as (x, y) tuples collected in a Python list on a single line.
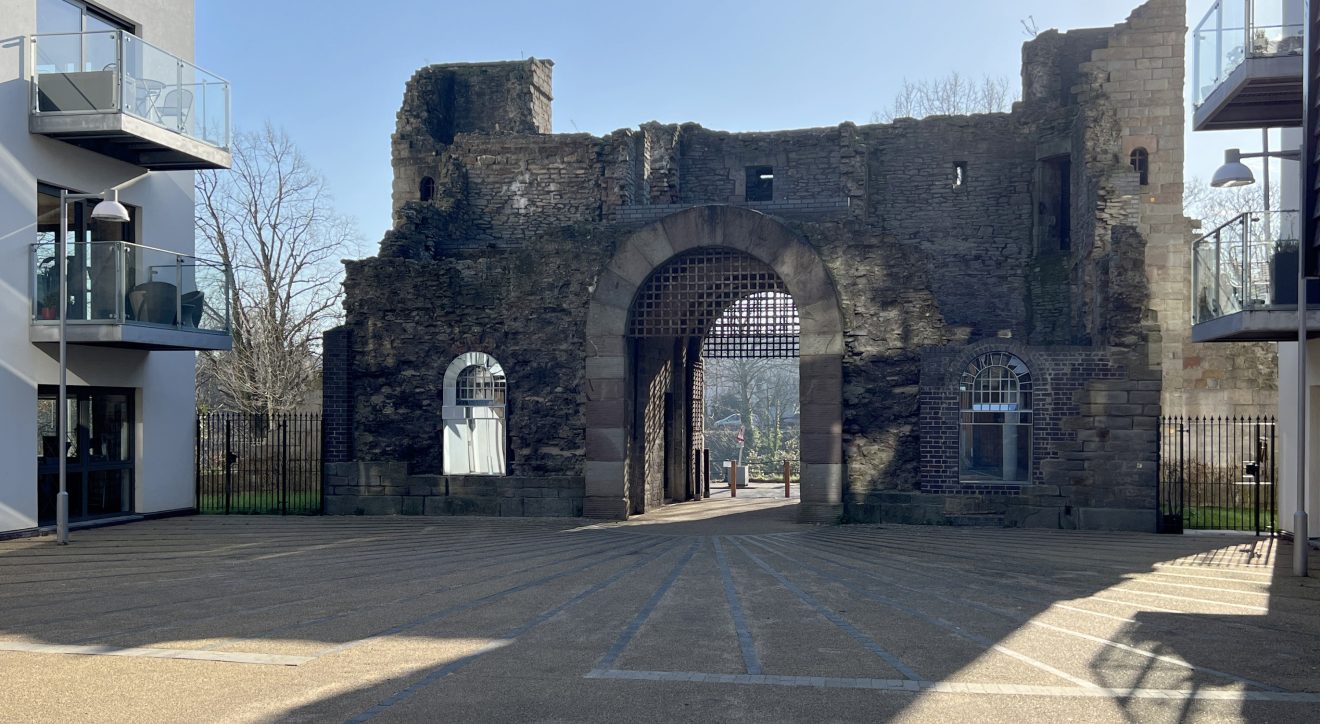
[(1007, 287)]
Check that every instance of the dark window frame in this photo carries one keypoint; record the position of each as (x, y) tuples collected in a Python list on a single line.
[(82, 466), (89, 10)]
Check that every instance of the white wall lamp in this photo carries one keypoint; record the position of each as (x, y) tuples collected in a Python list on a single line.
[(108, 209)]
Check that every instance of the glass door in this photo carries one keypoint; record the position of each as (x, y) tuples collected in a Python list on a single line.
[(98, 449)]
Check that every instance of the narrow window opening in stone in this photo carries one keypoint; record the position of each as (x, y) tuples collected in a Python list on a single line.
[(1054, 204), (427, 188), (1140, 160), (995, 426), (760, 183), (959, 174)]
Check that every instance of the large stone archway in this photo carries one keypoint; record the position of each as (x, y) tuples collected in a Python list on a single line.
[(608, 366)]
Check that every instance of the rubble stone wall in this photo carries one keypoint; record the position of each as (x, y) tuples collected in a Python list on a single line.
[(1026, 231)]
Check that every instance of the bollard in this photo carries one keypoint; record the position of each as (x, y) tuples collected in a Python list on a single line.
[(788, 471), (733, 480)]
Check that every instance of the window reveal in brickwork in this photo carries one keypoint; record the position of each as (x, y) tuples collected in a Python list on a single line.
[(760, 183), (736, 303), (427, 188), (995, 406)]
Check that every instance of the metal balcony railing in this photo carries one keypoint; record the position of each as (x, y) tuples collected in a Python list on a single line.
[(1247, 263), (114, 282), (1234, 31), (114, 71)]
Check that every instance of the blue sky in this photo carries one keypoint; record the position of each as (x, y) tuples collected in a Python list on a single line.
[(334, 79)]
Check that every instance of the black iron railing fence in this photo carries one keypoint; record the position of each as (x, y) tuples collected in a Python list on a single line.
[(252, 463), (1218, 473)]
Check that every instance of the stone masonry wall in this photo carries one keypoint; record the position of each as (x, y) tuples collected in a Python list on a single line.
[(504, 258), (522, 187), (442, 101), (713, 164), (977, 234), (526, 307)]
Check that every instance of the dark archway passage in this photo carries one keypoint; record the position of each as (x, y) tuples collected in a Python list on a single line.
[(705, 302), (657, 300)]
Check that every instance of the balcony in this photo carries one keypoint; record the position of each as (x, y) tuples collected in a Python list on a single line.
[(113, 93), (1247, 65), (129, 295), (1244, 281)]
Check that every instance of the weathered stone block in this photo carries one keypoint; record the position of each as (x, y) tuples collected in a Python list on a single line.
[(1115, 519), (413, 505), (363, 505)]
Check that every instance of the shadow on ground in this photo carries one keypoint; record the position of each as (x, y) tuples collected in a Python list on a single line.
[(719, 610)]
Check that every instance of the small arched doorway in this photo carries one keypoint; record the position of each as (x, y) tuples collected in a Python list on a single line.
[(653, 306), (474, 396)]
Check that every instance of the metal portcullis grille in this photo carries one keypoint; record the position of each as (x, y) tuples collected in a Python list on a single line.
[(763, 325), (736, 303)]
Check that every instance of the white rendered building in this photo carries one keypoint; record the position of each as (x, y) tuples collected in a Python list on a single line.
[(1247, 74), (96, 97)]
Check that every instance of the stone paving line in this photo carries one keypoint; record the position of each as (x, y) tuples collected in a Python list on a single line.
[(1082, 617), (972, 603)]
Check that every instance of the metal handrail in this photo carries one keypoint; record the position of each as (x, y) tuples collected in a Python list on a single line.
[(1232, 264)]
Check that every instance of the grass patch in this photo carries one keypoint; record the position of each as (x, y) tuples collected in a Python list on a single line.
[(261, 503), (1209, 517)]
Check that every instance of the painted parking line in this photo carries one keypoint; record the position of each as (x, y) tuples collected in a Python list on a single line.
[(985, 643), (410, 691), (950, 687), (647, 609), (840, 622), (750, 659), (232, 657), (1015, 616)]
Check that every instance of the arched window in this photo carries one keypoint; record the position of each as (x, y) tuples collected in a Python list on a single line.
[(1140, 160), (995, 402), (427, 189), (478, 386), (474, 412)]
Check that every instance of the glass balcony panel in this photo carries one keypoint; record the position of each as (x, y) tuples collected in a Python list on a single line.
[(114, 282), (1248, 263), (116, 71), (76, 72), (1206, 62), (1270, 34), (1233, 31), (209, 307)]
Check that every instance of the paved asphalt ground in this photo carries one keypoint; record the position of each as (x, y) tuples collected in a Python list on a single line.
[(709, 612)]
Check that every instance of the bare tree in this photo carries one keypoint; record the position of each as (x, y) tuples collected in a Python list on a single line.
[(1213, 207), (762, 392), (270, 219), (952, 95)]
